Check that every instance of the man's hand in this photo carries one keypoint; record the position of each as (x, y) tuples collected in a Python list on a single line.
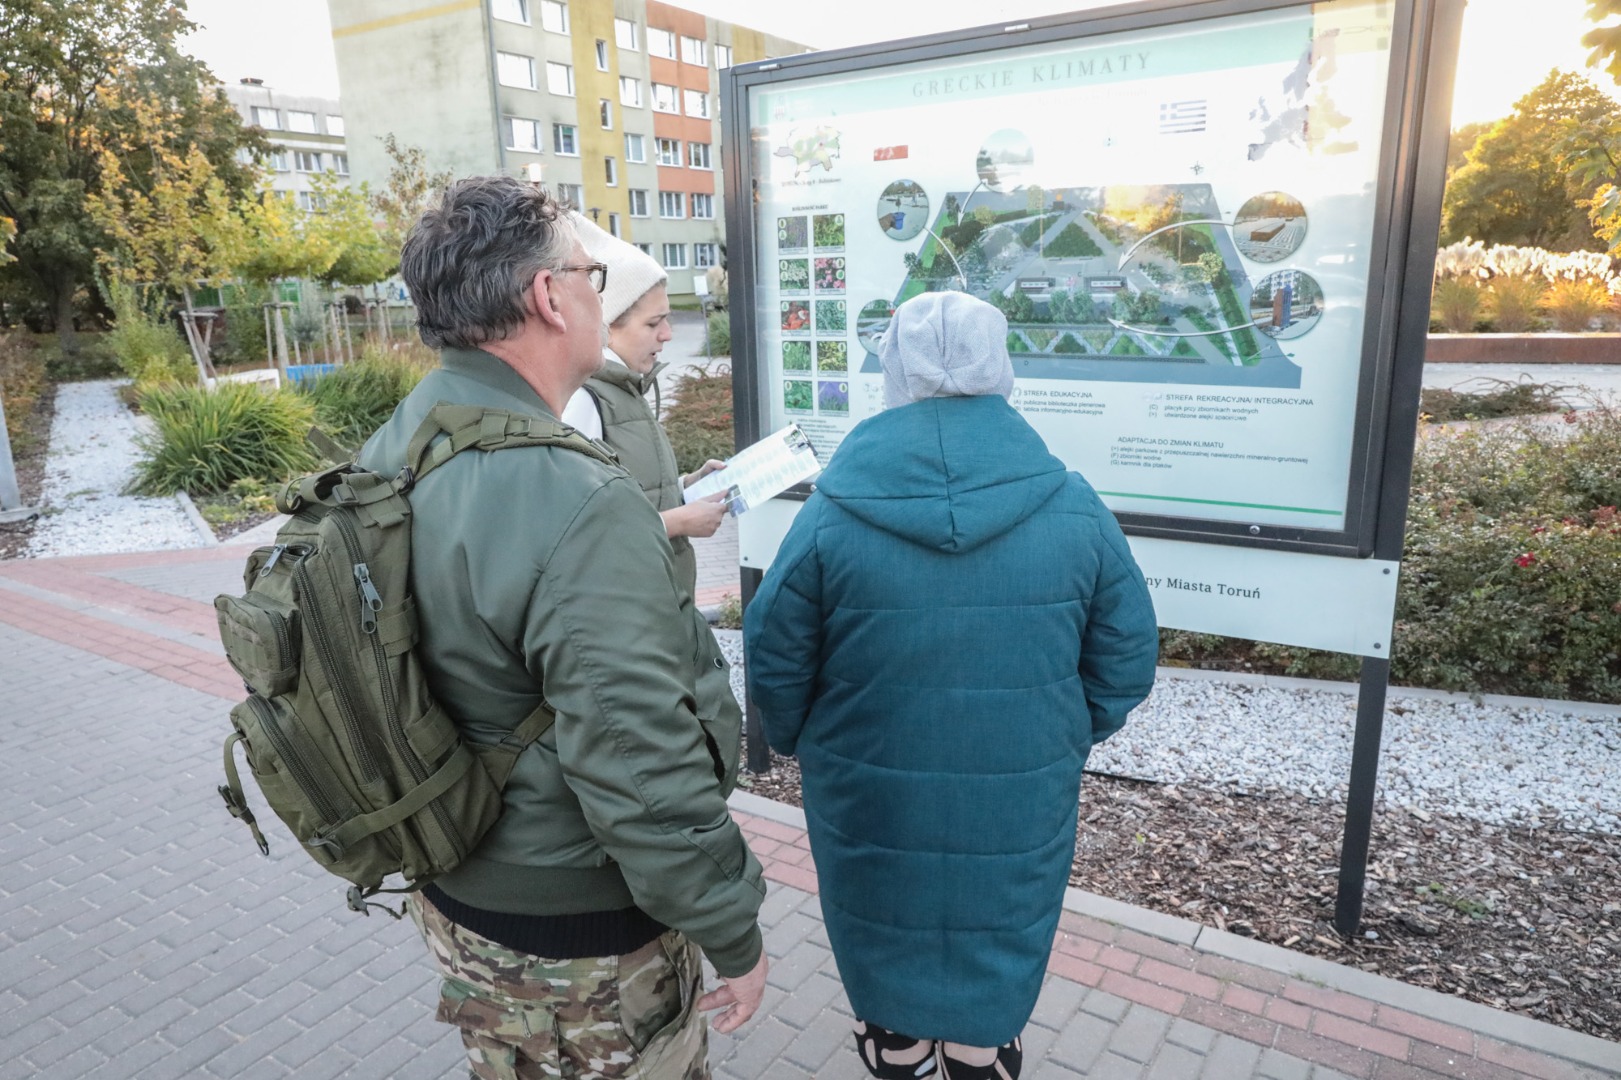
[(702, 471), (742, 994), (699, 518)]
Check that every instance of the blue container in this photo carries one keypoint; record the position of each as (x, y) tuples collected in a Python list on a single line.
[(300, 372)]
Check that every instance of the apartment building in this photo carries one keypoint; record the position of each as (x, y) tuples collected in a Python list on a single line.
[(306, 134), (612, 104)]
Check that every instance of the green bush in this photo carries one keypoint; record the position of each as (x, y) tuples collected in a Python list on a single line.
[(719, 331), (699, 422), (206, 440), (355, 399), (23, 381), (243, 341), (148, 346)]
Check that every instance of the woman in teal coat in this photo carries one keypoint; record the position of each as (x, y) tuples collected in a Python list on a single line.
[(950, 625)]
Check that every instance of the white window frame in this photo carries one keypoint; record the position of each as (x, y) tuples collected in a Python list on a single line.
[(630, 91), (635, 148), (689, 98), (723, 55), (698, 156), (605, 113), (554, 16), (512, 11), (625, 34), (507, 68), (693, 51), (705, 202), (645, 249), (610, 171), (666, 98), (614, 228), (311, 158), (672, 200), (559, 79), (334, 125), (566, 133), (667, 152), (602, 55), (661, 43), (340, 164), (572, 194), (263, 112), (302, 121), (530, 146), (704, 256), (278, 161), (638, 202), (679, 262)]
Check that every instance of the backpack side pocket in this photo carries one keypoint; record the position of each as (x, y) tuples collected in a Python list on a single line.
[(262, 638)]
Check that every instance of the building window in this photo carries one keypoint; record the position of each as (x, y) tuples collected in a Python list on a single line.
[(301, 121), (306, 161), (511, 69), (660, 43), (602, 55), (635, 148), (523, 135), (563, 140), (692, 51), (340, 163), (334, 125), (697, 103), (605, 112), (560, 79), (311, 202), (664, 98), (704, 256), (278, 161), (630, 91), (610, 171), (638, 203), (645, 249), (698, 155), (723, 56), (703, 206), (669, 151), (554, 16), (269, 119), (675, 256), (670, 204), (613, 224), (511, 11), (625, 33), (571, 196)]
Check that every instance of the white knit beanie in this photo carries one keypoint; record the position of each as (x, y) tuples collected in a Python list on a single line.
[(630, 272), (945, 344)]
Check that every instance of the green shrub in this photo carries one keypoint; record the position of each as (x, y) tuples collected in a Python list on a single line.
[(699, 422), (1573, 305), (148, 346), (23, 381), (1514, 301), (719, 331), (206, 440), (355, 399), (243, 342), (1457, 303)]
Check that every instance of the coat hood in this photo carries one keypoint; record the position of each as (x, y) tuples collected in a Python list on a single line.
[(946, 473)]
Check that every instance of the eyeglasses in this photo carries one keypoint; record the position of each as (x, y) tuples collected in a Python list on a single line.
[(598, 271)]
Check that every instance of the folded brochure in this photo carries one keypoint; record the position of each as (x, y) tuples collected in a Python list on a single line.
[(756, 473)]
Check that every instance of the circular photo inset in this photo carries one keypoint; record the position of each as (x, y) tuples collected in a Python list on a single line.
[(903, 210), (1270, 227), (1005, 160), (871, 322), (1286, 304)]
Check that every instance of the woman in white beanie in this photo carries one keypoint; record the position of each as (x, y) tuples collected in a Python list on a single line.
[(613, 408)]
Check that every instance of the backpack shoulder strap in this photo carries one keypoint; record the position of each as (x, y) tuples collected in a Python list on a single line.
[(473, 427)]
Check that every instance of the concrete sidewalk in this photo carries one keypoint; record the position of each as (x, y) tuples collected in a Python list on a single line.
[(142, 935)]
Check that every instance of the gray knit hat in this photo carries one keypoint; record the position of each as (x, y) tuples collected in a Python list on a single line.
[(945, 344), (630, 272)]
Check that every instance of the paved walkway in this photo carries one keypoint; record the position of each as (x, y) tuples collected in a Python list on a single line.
[(142, 935)]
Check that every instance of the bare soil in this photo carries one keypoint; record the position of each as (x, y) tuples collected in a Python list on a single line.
[(1524, 919), (31, 443)]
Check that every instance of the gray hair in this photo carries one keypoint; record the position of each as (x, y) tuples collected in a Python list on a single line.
[(469, 260)]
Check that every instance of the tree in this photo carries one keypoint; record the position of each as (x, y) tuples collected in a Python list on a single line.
[(1511, 190), (62, 58), (407, 192), (343, 225), (1605, 41)]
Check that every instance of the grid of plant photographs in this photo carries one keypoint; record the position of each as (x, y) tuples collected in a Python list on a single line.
[(811, 283)]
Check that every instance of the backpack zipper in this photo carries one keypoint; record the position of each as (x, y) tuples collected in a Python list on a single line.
[(294, 760), (391, 719), (337, 676)]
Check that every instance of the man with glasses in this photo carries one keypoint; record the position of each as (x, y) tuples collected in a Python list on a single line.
[(569, 940)]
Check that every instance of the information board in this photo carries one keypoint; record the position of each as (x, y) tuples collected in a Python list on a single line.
[(1186, 224)]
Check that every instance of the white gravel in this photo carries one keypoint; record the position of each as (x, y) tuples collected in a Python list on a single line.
[(1544, 763), (91, 460)]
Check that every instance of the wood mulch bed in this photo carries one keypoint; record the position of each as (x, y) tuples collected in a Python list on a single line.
[(31, 444), (1524, 919)]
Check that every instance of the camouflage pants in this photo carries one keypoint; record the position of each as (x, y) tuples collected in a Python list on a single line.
[(524, 1017)]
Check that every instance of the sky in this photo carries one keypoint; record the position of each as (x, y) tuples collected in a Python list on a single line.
[(1505, 50)]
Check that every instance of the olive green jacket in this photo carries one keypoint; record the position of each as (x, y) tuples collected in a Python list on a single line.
[(542, 572), (630, 427)]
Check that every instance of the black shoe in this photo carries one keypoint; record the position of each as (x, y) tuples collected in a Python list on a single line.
[(1009, 1059), (872, 1041)]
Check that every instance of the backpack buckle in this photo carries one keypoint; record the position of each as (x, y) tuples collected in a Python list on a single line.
[(406, 480)]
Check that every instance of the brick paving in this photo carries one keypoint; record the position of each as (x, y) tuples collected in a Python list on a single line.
[(143, 936)]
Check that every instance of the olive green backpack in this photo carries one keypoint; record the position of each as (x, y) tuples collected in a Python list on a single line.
[(341, 732)]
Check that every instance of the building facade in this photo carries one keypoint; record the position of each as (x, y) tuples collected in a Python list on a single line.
[(612, 104), (306, 135)]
